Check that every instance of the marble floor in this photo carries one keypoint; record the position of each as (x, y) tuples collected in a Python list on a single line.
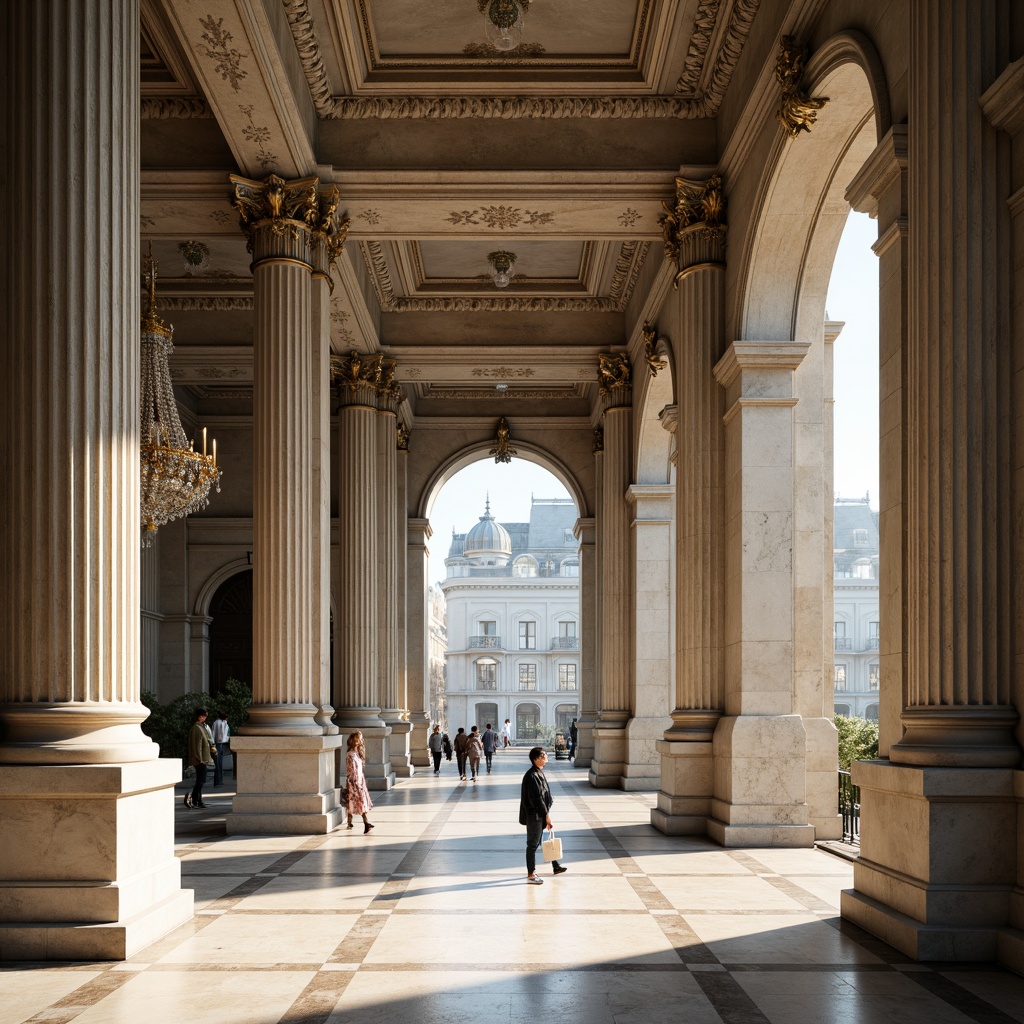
[(428, 919)]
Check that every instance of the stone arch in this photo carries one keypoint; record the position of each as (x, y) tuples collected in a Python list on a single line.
[(481, 450), (801, 209), (215, 580)]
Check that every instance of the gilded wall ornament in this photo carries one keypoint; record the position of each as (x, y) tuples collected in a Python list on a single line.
[(402, 439), (613, 372), (654, 361), (503, 450), (598, 443), (797, 111)]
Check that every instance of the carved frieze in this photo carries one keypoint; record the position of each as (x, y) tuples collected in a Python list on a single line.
[(168, 108)]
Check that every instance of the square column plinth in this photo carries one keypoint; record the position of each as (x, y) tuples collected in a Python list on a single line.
[(687, 781), (286, 785), (87, 865), (938, 861)]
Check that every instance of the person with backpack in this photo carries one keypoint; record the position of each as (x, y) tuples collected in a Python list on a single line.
[(474, 751), (461, 742)]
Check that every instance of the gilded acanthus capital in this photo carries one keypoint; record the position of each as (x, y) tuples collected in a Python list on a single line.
[(290, 219), (374, 374), (614, 372), (693, 226)]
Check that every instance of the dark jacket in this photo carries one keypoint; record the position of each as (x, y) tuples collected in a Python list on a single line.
[(534, 795), (489, 740)]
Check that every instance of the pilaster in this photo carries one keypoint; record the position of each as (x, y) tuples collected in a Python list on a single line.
[(585, 531), (653, 686), (102, 882), (751, 806)]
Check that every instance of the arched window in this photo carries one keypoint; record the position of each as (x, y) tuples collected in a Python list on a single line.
[(524, 566), (486, 674), (564, 714), (871, 712), (571, 566), (842, 709)]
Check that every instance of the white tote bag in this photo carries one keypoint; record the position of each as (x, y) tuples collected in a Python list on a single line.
[(551, 848)]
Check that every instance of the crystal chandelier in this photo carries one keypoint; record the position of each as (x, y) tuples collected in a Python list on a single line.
[(175, 479), (502, 266), (503, 22)]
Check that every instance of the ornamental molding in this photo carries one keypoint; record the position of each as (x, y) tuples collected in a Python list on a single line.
[(465, 304), (740, 20), (489, 394), (168, 108), (300, 21), (510, 108), (630, 262), (205, 303)]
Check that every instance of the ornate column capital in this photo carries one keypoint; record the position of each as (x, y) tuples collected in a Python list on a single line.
[(693, 226), (366, 380), (290, 220), (615, 379)]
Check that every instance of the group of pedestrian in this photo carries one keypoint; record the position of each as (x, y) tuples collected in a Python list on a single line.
[(470, 748)]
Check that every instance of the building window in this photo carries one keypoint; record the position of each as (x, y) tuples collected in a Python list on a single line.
[(527, 677), (527, 636), (571, 567), (567, 677), (841, 642), (862, 569), (871, 712), (488, 628), (873, 676), (840, 677), (860, 538), (527, 722), (842, 709), (486, 674), (564, 714), (486, 713), (567, 629)]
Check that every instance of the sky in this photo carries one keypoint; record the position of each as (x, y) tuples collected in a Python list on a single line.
[(852, 297)]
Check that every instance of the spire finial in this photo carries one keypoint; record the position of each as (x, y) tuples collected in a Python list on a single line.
[(487, 504)]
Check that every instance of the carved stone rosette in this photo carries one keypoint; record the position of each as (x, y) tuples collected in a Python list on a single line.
[(366, 380), (290, 220), (615, 378), (797, 111), (693, 227)]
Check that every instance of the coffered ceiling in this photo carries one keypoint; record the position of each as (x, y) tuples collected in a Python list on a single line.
[(445, 149)]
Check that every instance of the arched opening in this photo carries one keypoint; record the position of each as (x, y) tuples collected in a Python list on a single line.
[(231, 631), (504, 535)]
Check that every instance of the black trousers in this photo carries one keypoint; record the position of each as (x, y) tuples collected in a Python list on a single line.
[(197, 788), (534, 835), (436, 755)]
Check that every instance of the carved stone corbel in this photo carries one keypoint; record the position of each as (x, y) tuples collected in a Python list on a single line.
[(797, 111)]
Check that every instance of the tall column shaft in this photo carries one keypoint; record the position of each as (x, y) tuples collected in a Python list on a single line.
[(615, 637), (961, 615), (418, 638), (69, 522), (87, 865), (590, 589), (355, 658), (387, 561)]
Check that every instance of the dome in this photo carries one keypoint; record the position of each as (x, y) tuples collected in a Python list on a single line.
[(488, 539)]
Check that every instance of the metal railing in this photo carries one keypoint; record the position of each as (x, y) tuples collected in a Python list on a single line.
[(849, 808), (872, 643), (843, 643), (565, 643), (489, 643)]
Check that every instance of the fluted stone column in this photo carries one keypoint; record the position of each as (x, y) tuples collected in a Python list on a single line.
[(651, 507), (418, 638), (698, 338), (360, 693), (584, 531), (320, 407), (286, 762), (931, 888), (752, 806), (401, 750), (1003, 103), (87, 865), (615, 636)]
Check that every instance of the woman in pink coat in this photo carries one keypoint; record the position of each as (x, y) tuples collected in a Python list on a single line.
[(359, 801)]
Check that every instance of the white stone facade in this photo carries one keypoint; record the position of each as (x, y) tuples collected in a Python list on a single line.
[(513, 626)]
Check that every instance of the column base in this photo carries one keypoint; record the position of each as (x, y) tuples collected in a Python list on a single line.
[(287, 785), (584, 753), (418, 750), (821, 772), (687, 777), (923, 882), (642, 769), (754, 806), (87, 865), (609, 760), (398, 749), (380, 776)]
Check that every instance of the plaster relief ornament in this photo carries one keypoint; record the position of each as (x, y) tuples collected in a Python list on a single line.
[(797, 111), (653, 360), (503, 450), (613, 372)]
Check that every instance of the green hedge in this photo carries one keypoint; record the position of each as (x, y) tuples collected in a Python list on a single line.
[(168, 725), (858, 740)]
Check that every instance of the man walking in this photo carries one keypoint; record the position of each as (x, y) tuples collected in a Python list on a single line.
[(460, 744), (200, 757), (221, 734), (535, 813), (489, 742), (574, 735), (436, 745)]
